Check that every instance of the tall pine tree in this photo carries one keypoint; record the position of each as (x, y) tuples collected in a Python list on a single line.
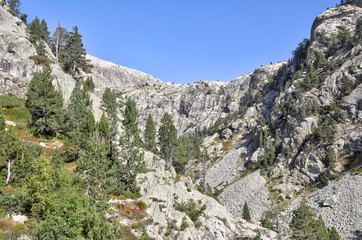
[(150, 134), (168, 139), (73, 55), (44, 102), (130, 122)]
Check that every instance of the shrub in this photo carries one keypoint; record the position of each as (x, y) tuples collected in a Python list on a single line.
[(32, 147), (18, 113), (9, 102), (142, 204)]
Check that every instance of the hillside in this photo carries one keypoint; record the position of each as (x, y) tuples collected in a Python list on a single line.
[(283, 133)]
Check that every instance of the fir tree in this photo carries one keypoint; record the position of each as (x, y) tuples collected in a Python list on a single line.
[(44, 102), (89, 84), (73, 55), (168, 139), (35, 30), (60, 37), (246, 212), (333, 234), (45, 32), (130, 120), (110, 102), (330, 158), (346, 85), (14, 6), (150, 134), (11, 150)]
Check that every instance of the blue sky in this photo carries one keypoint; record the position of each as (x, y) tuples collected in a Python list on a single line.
[(185, 41)]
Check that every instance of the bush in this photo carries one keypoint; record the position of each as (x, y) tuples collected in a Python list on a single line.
[(41, 60), (9, 102), (142, 204), (32, 147), (18, 113)]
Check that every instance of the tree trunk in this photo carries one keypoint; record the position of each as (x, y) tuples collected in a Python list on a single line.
[(9, 173)]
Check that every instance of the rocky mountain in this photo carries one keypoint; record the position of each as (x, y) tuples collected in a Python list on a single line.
[(280, 133)]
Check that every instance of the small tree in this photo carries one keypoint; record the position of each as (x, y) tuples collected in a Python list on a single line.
[(130, 120), (346, 85), (246, 212), (14, 6), (333, 234), (44, 102), (60, 37), (330, 158), (168, 139), (150, 134), (73, 55), (89, 84)]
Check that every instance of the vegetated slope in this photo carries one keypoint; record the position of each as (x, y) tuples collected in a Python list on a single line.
[(302, 130), (298, 121)]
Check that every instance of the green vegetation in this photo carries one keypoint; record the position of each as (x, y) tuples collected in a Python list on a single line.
[(72, 56), (246, 212), (150, 134), (191, 209), (168, 139), (44, 103), (10, 102), (306, 225)]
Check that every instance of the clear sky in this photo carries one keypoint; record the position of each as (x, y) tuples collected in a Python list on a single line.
[(185, 41)]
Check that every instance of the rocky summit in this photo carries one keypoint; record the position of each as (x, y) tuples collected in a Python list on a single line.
[(284, 134)]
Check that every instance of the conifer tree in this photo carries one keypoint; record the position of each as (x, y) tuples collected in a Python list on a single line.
[(14, 6), (73, 55), (44, 102), (150, 134), (89, 84), (246, 212), (168, 139), (45, 32), (333, 234), (130, 122), (110, 102), (10, 150), (35, 30), (60, 37)]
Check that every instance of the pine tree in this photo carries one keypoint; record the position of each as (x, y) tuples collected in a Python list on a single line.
[(246, 212), (110, 102), (73, 55), (150, 134), (11, 150), (346, 85), (35, 30), (89, 84), (60, 37), (14, 6), (330, 158), (305, 225), (168, 139), (333, 234), (130, 122), (44, 102), (45, 32), (79, 106)]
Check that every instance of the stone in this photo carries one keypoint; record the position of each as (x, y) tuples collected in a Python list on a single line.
[(19, 218)]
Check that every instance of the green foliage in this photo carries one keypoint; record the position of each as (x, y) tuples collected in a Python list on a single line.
[(18, 113), (321, 60), (300, 53), (73, 54), (358, 35), (267, 222), (89, 84), (246, 212), (333, 234), (130, 122), (306, 225), (191, 209), (41, 60), (330, 158), (14, 6), (11, 150), (38, 31), (32, 147), (168, 139), (9, 102), (150, 134), (144, 235), (40, 49), (347, 85), (2, 121), (325, 131), (44, 103), (58, 40)]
